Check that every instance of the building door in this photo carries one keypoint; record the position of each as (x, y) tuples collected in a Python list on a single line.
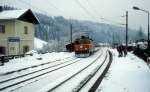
[(2, 51), (25, 49)]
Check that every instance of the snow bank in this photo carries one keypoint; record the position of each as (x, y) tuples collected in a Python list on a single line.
[(38, 43), (127, 74)]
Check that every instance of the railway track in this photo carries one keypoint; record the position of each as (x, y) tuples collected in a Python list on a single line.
[(77, 76), (8, 77), (18, 83), (34, 66), (54, 88), (89, 77), (102, 75), (97, 73), (10, 82), (94, 79), (31, 85)]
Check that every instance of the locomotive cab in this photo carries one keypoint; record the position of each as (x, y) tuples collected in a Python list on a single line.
[(83, 47)]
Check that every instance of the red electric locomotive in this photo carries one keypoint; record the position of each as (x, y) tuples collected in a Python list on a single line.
[(84, 47)]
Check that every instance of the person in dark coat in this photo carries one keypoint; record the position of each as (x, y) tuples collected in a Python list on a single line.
[(119, 50), (124, 51)]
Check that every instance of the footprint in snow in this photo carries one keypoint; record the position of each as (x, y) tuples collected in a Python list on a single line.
[(132, 58)]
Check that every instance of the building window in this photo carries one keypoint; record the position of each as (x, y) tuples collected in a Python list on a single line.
[(12, 48), (25, 30), (2, 28), (2, 51), (25, 49)]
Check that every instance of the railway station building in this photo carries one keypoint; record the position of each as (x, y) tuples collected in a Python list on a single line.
[(17, 31)]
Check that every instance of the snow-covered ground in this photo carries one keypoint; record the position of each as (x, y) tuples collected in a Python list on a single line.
[(126, 74), (38, 43), (28, 61), (48, 79)]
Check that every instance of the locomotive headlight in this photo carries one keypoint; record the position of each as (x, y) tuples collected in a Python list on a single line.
[(81, 46)]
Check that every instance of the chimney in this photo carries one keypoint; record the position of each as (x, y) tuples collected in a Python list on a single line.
[(1, 8)]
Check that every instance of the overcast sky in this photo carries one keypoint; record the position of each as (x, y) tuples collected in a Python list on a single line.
[(93, 10)]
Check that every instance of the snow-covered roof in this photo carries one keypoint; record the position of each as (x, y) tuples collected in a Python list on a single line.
[(11, 14), (19, 15)]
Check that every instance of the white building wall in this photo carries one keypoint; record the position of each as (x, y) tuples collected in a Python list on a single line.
[(15, 28)]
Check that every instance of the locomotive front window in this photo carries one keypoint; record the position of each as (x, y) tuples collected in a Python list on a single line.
[(77, 42)]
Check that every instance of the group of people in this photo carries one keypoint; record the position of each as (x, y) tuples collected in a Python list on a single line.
[(121, 50)]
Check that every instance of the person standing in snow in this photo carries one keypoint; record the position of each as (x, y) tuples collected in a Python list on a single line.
[(119, 50), (125, 51)]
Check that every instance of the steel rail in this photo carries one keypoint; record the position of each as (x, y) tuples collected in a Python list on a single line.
[(9, 79), (10, 72), (56, 86), (99, 80), (8, 86), (91, 75)]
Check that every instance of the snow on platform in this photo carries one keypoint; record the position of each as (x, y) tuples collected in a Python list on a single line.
[(28, 61), (126, 74)]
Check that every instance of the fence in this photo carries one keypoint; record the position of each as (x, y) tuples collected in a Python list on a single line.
[(4, 59)]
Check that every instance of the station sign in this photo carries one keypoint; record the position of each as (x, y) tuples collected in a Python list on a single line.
[(13, 39)]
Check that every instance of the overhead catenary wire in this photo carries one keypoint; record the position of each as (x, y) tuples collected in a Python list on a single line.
[(34, 7), (101, 17), (92, 7), (85, 10), (55, 7), (62, 12)]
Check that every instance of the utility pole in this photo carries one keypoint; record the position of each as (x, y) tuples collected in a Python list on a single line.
[(126, 29), (71, 37), (148, 32), (113, 40), (57, 40)]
